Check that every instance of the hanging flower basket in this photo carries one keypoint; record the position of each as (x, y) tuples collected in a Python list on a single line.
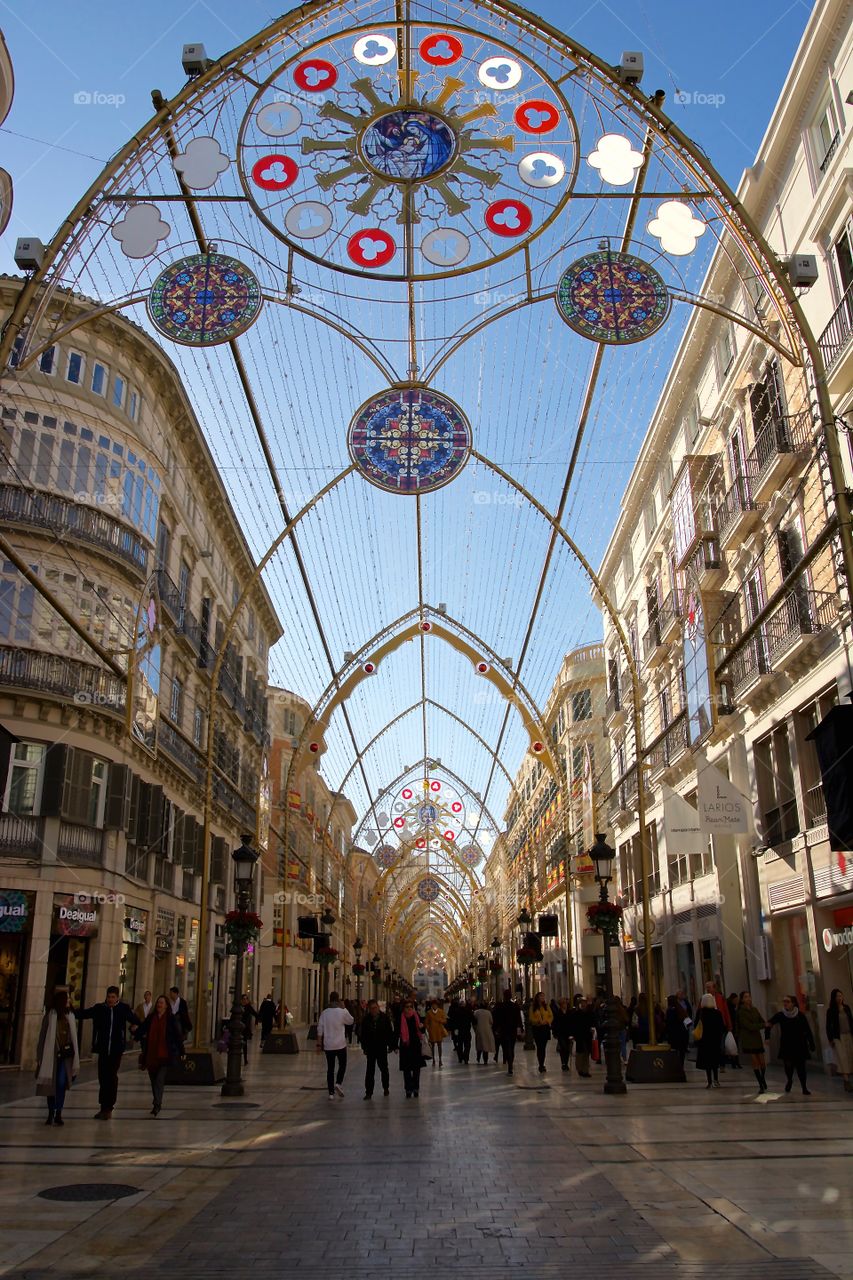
[(526, 955), (482, 973), (606, 916), (358, 970), (496, 967), (243, 927), (327, 955)]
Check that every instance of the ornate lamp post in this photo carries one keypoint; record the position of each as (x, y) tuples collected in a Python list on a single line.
[(327, 919), (482, 971), (358, 969), (606, 918), (524, 921), (244, 860), (376, 973), (496, 959), (386, 974)]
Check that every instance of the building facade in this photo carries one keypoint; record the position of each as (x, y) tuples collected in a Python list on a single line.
[(725, 573), (110, 496)]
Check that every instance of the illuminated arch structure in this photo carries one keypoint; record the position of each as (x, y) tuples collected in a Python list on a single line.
[(396, 186)]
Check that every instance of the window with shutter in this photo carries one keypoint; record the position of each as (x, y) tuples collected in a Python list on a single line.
[(217, 860), (54, 773), (156, 814), (117, 812)]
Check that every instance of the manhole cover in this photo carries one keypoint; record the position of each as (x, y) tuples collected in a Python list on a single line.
[(236, 1106), (313, 1088), (90, 1191)]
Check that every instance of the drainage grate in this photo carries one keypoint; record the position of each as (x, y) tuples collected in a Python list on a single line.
[(84, 1191), (236, 1106)]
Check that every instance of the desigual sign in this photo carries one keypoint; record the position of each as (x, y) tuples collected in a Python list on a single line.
[(14, 910), (73, 918)]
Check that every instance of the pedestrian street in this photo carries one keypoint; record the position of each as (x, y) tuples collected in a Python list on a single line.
[(481, 1175)]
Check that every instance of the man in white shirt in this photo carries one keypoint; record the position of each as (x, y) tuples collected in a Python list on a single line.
[(332, 1040)]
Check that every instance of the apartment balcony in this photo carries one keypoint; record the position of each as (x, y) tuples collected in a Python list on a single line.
[(669, 746), (779, 445), (615, 711), (21, 836), (737, 513), (81, 845), (62, 677), (181, 750), (835, 345), (185, 622), (671, 616), (706, 563), (749, 669), (792, 627), (72, 521)]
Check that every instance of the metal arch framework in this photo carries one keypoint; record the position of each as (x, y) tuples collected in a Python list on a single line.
[(737, 223), (447, 848), (405, 773)]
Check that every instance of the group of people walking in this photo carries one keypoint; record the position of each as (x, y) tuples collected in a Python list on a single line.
[(160, 1027)]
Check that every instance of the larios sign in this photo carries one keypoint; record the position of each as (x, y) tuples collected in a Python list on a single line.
[(74, 918)]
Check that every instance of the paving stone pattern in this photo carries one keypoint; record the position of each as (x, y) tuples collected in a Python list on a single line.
[(480, 1176)]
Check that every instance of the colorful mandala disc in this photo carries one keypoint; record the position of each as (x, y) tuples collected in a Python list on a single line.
[(471, 855), (386, 855), (428, 889), (612, 297), (409, 440), (204, 300)]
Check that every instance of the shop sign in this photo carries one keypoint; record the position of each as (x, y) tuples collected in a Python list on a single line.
[(15, 909), (164, 931), (136, 924), (842, 934), (74, 918)]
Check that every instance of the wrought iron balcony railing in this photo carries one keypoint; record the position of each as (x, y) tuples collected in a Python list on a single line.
[(835, 337), (68, 519), (62, 676), (777, 436)]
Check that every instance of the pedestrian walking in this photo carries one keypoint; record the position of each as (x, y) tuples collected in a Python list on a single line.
[(561, 1029), (411, 1049), (484, 1033), (674, 1028), (732, 1004), (507, 1022), (180, 1011), (162, 1046), (146, 1004), (436, 1026), (796, 1041), (453, 1024), (57, 1056), (541, 1018), (711, 1030), (839, 1033), (582, 1025), (751, 1025), (266, 1016), (377, 1040), (332, 1040), (110, 1021), (463, 1033)]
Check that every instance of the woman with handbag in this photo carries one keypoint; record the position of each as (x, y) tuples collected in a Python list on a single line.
[(436, 1025), (484, 1034), (750, 1033), (413, 1051), (839, 1033), (796, 1041), (708, 1034), (57, 1056), (541, 1018), (162, 1045)]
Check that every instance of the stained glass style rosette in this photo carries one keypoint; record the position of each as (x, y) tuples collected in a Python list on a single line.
[(386, 855), (409, 440), (471, 855), (613, 297), (204, 299), (428, 889)]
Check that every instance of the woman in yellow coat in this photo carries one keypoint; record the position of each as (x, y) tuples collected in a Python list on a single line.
[(541, 1018), (436, 1027)]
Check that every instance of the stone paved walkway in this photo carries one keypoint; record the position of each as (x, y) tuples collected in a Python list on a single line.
[(483, 1175)]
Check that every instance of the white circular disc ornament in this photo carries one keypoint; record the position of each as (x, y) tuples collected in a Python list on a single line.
[(445, 247), (279, 119), (499, 73), (541, 169), (374, 51), (308, 220)]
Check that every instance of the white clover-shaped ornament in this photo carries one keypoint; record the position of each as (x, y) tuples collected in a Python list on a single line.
[(201, 163), (615, 159), (140, 230), (677, 228)]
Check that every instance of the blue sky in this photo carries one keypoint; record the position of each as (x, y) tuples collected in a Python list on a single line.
[(84, 77), (735, 51)]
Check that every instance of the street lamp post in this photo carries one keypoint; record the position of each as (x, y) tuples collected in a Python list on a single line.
[(602, 855), (327, 919), (496, 955), (357, 947), (376, 973), (244, 860), (524, 921)]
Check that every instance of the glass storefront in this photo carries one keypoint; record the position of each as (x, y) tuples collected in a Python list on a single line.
[(16, 914), (133, 937), (75, 923)]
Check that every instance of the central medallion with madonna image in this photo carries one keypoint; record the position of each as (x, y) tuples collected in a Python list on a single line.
[(408, 145)]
